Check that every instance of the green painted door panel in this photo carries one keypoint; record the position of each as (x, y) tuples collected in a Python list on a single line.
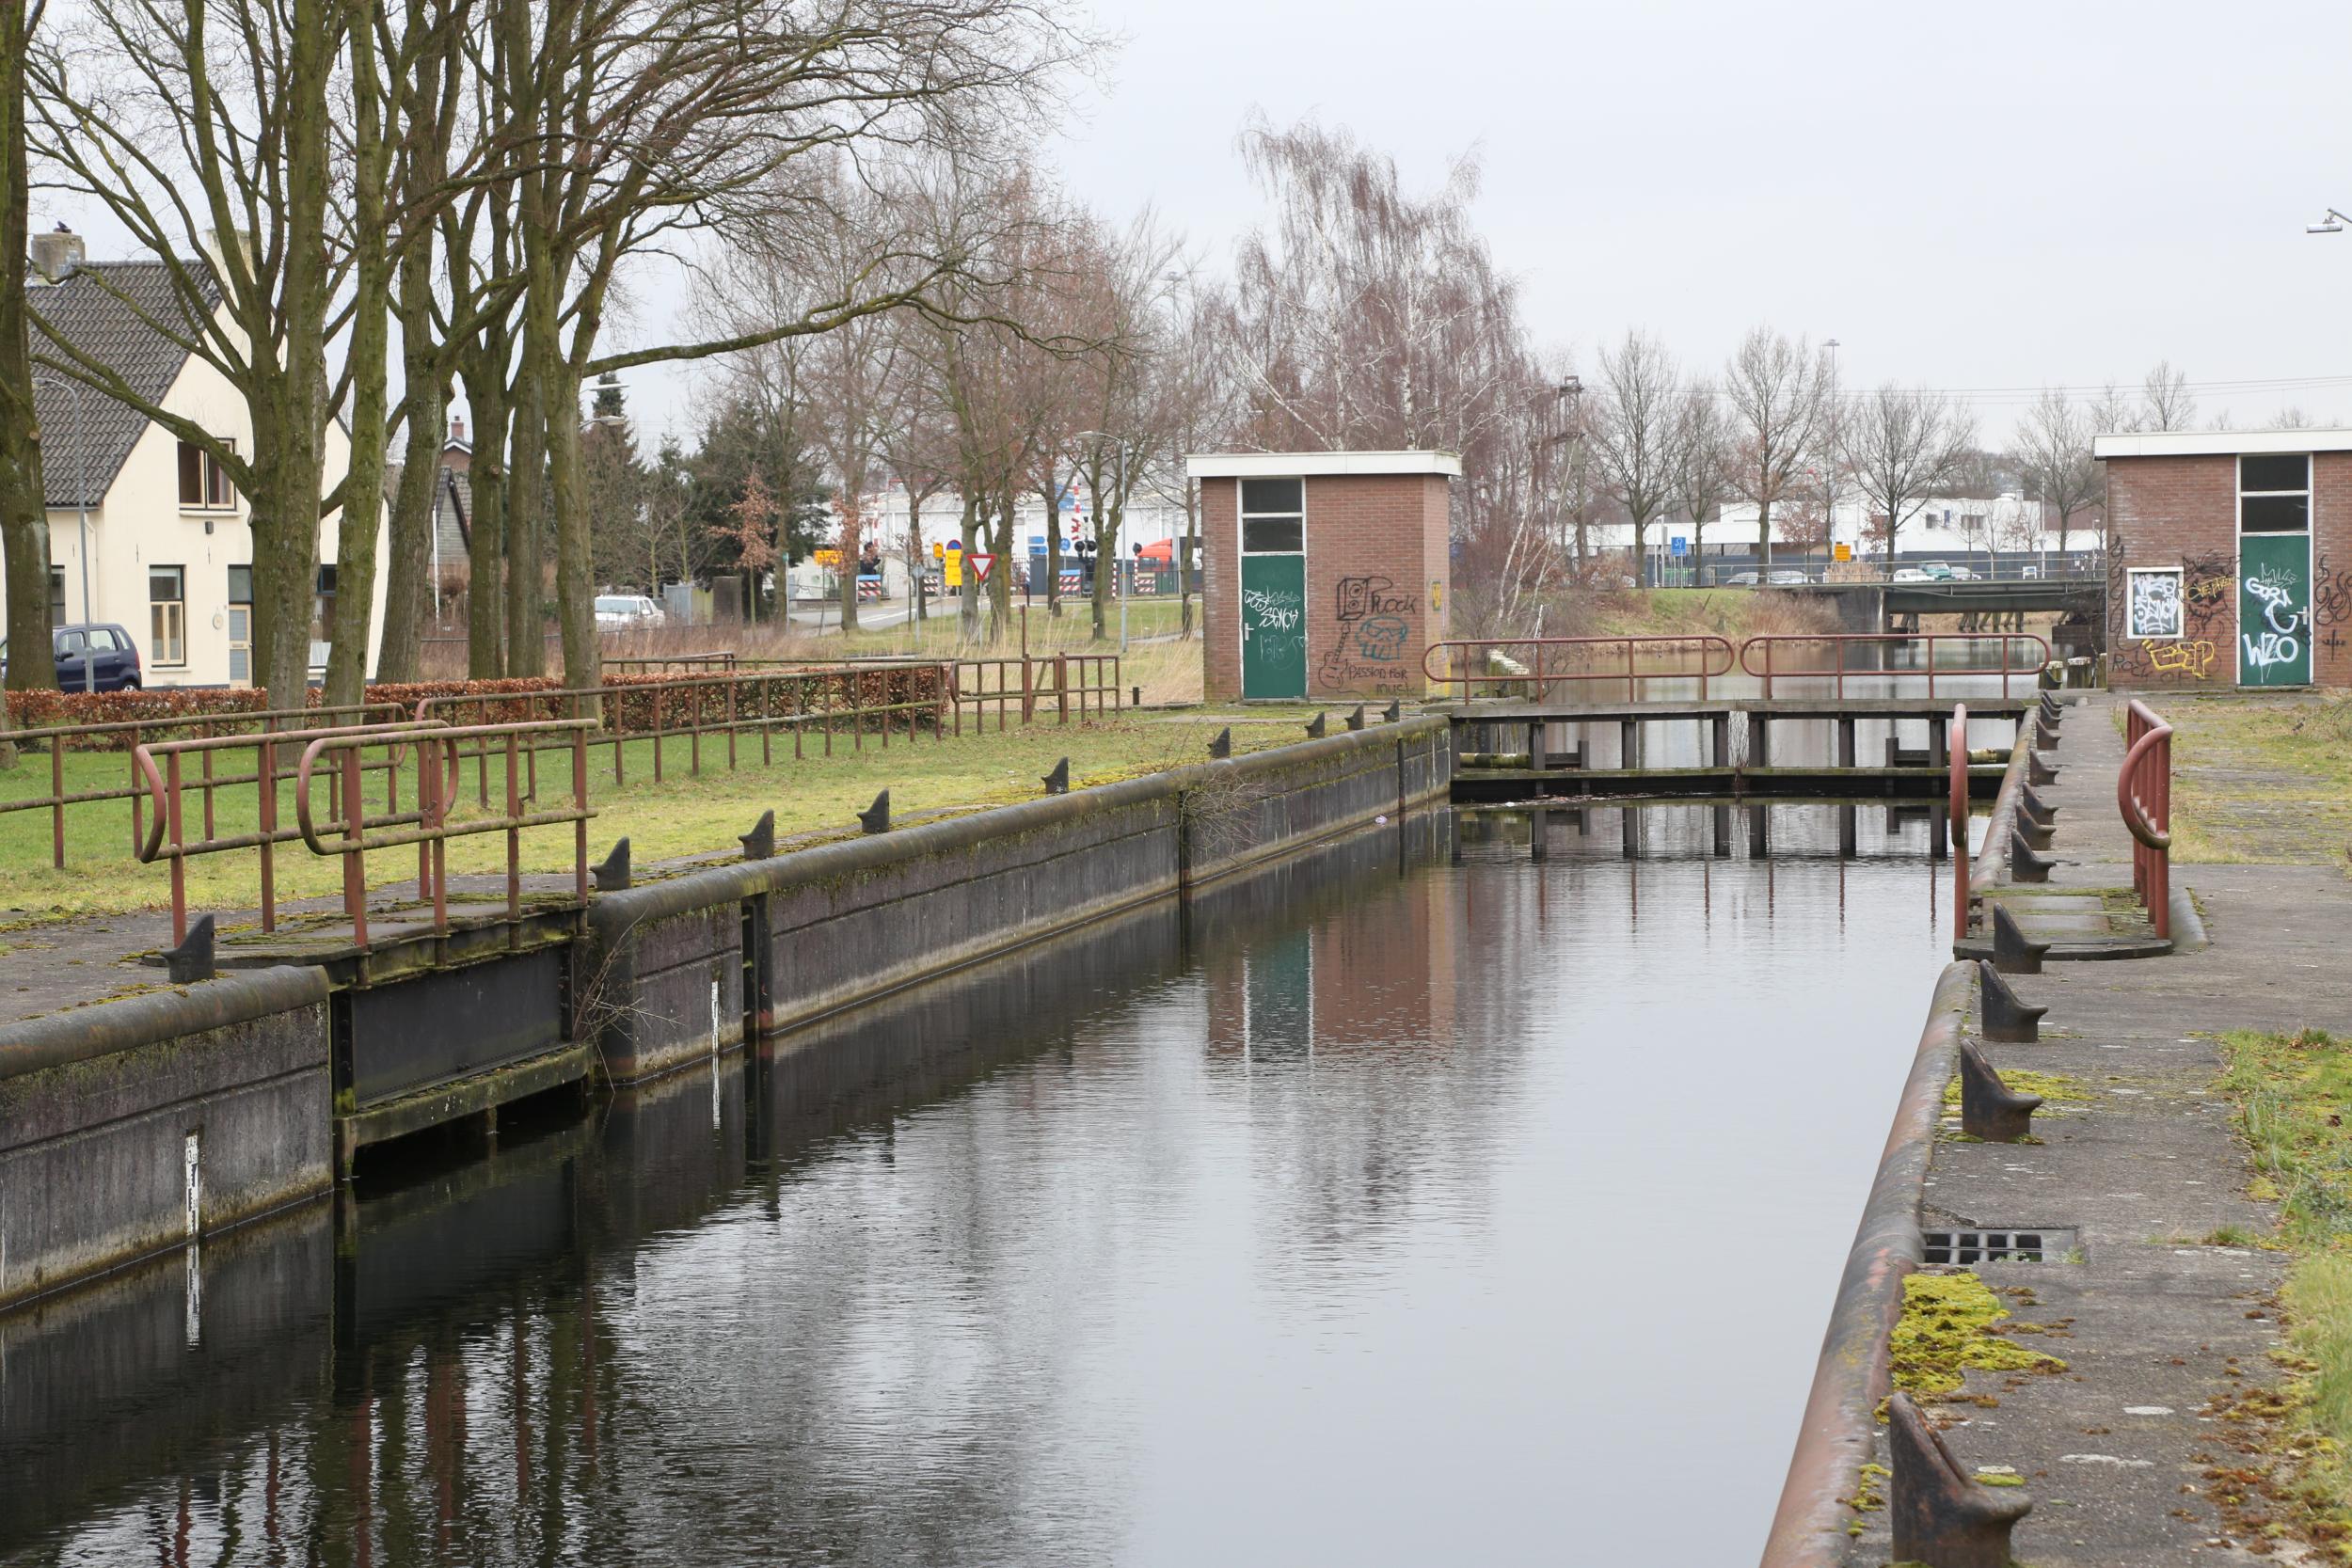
[(2274, 610), (1274, 625)]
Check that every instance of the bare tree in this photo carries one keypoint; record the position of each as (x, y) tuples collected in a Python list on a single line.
[(1774, 388), (1902, 445), (2165, 395), (2054, 444), (1702, 466), (1634, 428)]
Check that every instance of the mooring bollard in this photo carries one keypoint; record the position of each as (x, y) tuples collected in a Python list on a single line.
[(2046, 735), (2040, 812), (611, 873), (1394, 712), (2025, 866), (2036, 834), (192, 960), (760, 843), (2012, 952), (1356, 720), (2040, 769), (1057, 781), (1221, 744), (1315, 730), (2006, 1019), (1990, 1109), (1942, 1515), (875, 817)]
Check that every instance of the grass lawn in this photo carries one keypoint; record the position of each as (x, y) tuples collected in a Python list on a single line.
[(2259, 779), (682, 815)]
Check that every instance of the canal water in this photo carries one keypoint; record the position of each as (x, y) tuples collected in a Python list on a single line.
[(1422, 1200)]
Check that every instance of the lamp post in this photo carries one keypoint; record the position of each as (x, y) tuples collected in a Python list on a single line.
[(81, 506)]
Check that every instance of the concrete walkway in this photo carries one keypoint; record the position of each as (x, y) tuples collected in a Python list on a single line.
[(2156, 1319)]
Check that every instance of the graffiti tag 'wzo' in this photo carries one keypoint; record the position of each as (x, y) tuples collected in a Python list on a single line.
[(2281, 643)]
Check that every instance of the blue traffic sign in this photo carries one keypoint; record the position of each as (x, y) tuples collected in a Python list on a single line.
[(1677, 544)]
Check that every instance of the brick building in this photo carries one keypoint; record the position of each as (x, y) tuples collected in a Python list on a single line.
[(1324, 574), (2230, 559)]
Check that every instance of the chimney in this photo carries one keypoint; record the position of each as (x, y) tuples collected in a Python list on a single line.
[(57, 255), (457, 431)]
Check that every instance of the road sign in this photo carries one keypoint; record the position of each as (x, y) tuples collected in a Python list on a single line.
[(1842, 552), (939, 551), (981, 564), (828, 557), (1677, 546), (953, 567)]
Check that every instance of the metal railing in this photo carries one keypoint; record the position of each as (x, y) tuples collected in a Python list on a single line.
[(166, 787), (1838, 645), (1030, 682), (723, 658), (1541, 660), (429, 827), (57, 740), (739, 706), (1957, 815), (2143, 793)]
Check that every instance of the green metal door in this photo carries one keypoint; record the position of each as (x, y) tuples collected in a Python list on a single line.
[(2274, 610), (1274, 625)]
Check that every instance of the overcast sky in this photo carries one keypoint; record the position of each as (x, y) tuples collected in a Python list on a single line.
[(2006, 195)]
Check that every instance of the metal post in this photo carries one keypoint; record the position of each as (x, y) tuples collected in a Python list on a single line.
[(355, 862)]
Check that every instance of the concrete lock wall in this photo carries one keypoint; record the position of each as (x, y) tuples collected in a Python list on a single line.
[(128, 1127), (845, 922)]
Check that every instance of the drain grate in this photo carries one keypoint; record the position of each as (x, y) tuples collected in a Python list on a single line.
[(1985, 1244)]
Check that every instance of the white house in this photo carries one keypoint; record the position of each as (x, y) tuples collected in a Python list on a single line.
[(144, 530)]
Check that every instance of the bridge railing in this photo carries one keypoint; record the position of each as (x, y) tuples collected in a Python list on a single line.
[(1531, 664), (2143, 793), (1833, 656)]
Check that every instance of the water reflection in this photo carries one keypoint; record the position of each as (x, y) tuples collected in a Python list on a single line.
[(1381, 1208)]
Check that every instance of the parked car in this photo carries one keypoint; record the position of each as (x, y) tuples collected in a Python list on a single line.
[(1789, 577), (628, 609), (1743, 580), (95, 656), (1956, 573), (1912, 574)]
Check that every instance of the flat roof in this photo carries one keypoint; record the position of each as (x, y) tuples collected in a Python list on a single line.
[(1316, 464), (2218, 443)]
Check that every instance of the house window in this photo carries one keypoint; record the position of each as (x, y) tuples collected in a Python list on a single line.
[(1972, 525), (56, 596), (240, 626), (2274, 494), (167, 614), (1273, 517), (203, 482), (2154, 609)]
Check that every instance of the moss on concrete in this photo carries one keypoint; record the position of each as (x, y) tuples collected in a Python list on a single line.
[(1950, 1326)]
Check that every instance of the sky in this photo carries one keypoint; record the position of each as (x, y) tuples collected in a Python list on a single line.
[(1985, 199)]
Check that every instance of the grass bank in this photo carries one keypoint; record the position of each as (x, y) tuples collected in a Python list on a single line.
[(2292, 1474), (685, 814), (2259, 779)]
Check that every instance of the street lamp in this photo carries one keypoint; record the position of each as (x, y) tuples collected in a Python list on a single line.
[(2330, 222), (80, 505)]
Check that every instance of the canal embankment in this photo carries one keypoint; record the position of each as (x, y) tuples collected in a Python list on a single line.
[(184, 1110), (2148, 1371)]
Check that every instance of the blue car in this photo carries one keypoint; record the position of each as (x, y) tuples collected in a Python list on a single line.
[(91, 657)]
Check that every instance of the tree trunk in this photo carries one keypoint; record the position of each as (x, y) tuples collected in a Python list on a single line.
[(1106, 566), (575, 560), (1191, 550), (1052, 555), (853, 544), (362, 517), (24, 509), (1764, 539), (412, 597), (485, 543), (525, 506), (1000, 575)]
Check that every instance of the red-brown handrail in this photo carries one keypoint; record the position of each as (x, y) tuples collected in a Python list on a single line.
[(2143, 793), (1956, 746), (165, 790), (429, 827), (1542, 667), (1927, 642)]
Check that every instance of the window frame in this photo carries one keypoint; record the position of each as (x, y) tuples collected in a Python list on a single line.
[(2180, 604), (2244, 494), (177, 609), (1243, 516), (215, 491)]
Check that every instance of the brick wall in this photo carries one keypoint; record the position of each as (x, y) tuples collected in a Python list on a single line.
[(1377, 561), (2182, 512)]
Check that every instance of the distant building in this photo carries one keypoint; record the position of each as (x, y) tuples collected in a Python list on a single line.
[(169, 542), (2229, 558)]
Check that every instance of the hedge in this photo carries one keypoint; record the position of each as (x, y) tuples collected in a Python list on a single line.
[(173, 713)]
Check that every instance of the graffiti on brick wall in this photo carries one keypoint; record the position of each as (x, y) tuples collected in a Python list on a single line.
[(2185, 659), (2331, 594), (2208, 582), (1367, 651)]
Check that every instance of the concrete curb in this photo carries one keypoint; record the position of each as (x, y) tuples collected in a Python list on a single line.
[(1838, 1433), (2188, 927), (105, 1028)]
